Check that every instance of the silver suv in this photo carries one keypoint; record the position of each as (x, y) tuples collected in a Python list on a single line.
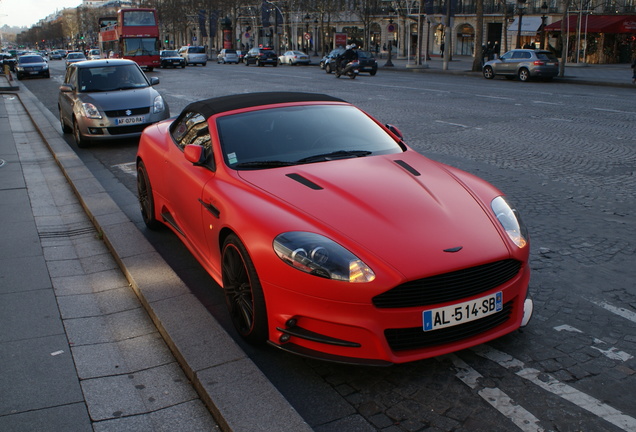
[(194, 55), (524, 64)]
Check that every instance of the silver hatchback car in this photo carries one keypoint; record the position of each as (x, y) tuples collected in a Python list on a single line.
[(523, 64), (108, 99)]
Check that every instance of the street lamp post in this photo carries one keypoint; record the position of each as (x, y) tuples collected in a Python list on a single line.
[(520, 7), (544, 9)]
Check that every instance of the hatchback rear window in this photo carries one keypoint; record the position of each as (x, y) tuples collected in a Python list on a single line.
[(546, 56), (196, 50), (230, 51)]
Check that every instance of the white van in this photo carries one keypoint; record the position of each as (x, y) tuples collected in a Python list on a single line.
[(94, 54), (194, 55)]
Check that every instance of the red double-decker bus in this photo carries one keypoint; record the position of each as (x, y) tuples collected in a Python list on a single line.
[(133, 34)]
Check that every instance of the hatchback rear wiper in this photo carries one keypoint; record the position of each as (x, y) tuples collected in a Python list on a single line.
[(340, 154)]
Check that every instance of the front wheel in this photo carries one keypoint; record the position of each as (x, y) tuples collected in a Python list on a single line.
[(77, 135), (328, 68), (243, 292), (524, 74), (146, 198), (488, 72)]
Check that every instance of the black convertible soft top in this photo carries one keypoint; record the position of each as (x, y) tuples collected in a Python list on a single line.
[(212, 106)]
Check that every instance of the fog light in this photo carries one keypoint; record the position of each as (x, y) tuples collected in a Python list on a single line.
[(291, 322), (284, 338), (96, 131)]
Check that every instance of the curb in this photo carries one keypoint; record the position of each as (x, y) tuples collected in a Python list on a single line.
[(236, 392)]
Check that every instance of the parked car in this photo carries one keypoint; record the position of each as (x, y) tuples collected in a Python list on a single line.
[(94, 54), (227, 56), (326, 60), (330, 237), (367, 62), (294, 58), (74, 57), (108, 99), (8, 60), (261, 57), (523, 64), (194, 55), (31, 65), (171, 58), (240, 55)]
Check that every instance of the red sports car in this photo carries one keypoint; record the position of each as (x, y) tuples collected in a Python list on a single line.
[(330, 237)]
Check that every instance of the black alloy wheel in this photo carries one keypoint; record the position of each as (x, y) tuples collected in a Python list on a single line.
[(243, 292), (146, 199)]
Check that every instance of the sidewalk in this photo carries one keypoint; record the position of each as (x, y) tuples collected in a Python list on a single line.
[(616, 75), (97, 333)]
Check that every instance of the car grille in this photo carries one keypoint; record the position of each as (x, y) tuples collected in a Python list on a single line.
[(416, 337), (122, 130), (449, 287), (123, 113)]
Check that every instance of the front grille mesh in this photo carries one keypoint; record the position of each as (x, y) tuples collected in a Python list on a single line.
[(417, 338), (449, 287), (133, 112)]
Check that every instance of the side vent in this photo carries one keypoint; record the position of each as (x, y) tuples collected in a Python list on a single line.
[(306, 182)]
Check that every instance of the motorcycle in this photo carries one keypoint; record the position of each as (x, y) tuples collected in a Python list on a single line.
[(351, 69)]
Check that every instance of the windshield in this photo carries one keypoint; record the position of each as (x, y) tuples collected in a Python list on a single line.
[(301, 134), (110, 78), (31, 59), (140, 47), (169, 54)]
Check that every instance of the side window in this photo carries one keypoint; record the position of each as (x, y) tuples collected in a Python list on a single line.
[(507, 55), (192, 128), (527, 55)]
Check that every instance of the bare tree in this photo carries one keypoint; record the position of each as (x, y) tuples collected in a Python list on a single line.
[(479, 36)]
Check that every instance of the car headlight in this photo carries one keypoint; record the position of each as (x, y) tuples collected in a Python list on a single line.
[(320, 256), (90, 111), (511, 221), (158, 105), (45, 67)]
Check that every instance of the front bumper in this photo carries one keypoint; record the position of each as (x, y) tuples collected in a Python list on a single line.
[(365, 334)]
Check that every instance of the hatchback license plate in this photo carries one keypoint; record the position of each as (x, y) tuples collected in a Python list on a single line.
[(129, 120), (435, 319)]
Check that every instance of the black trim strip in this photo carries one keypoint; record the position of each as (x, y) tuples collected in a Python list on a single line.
[(317, 337)]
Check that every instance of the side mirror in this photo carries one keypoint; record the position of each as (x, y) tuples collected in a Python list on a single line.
[(196, 155), (395, 131), (66, 88), (154, 81)]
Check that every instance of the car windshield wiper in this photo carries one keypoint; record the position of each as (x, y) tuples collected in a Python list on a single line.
[(340, 154), (264, 164)]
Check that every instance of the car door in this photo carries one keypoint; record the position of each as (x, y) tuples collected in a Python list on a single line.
[(185, 181), (506, 65), (66, 100)]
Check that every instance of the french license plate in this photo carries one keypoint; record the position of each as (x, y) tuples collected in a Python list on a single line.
[(129, 120), (34, 73), (176, 61), (435, 319)]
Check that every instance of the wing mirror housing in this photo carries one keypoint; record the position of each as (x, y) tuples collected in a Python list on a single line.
[(395, 131), (198, 156), (66, 88), (154, 81)]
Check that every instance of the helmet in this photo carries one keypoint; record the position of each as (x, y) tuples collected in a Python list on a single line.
[(348, 47)]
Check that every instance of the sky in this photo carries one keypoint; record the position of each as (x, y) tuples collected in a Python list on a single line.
[(28, 12)]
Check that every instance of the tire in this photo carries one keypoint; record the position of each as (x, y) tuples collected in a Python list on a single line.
[(65, 128), (146, 198), (204, 64), (77, 135), (523, 74), (488, 72), (373, 72), (328, 68), (243, 292)]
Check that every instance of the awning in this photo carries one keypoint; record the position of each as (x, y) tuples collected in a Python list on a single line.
[(530, 25), (598, 24)]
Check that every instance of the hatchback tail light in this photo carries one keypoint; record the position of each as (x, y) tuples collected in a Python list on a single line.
[(539, 63)]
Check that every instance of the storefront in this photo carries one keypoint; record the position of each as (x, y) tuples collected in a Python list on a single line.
[(599, 39)]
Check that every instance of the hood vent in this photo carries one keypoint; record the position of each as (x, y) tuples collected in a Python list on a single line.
[(407, 167), (304, 181)]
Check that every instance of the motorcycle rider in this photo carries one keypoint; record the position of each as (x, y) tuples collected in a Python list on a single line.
[(349, 55)]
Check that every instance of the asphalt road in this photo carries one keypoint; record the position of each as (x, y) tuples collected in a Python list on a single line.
[(564, 153)]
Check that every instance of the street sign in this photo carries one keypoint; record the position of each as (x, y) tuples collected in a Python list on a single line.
[(307, 36)]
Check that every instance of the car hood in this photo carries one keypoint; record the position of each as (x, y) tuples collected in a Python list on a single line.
[(121, 99), (407, 210)]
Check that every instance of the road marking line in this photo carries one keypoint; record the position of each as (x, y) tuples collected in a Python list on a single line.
[(627, 314), (128, 168), (452, 124), (612, 353), (495, 397), (554, 386)]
